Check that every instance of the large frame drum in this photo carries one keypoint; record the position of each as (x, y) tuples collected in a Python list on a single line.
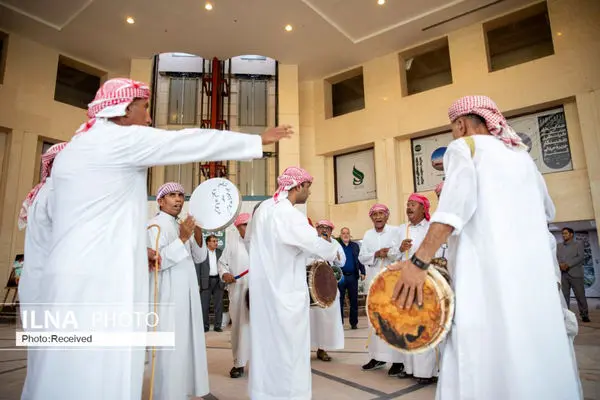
[(416, 329)]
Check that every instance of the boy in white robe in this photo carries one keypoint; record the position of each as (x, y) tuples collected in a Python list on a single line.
[(233, 269), (280, 243), (495, 350), (380, 248), (98, 262), (180, 372), (326, 328)]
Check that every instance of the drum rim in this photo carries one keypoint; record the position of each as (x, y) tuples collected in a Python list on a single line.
[(444, 292), (311, 281), (235, 214)]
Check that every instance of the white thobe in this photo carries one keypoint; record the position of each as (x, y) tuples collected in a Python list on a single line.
[(98, 252), (180, 372), (427, 363), (372, 242), (37, 245), (508, 339), (326, 326), (234, 261), (280, 243)]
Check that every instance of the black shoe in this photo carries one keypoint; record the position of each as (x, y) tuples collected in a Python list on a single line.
[(236, 372), (354, 327), (426, 381), (585, 319), (373, 365), (396, 370), (218, 330), (205, 329)]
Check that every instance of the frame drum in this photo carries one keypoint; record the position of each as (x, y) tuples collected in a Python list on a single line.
[(215, 204), (322, 284), (419, 328)]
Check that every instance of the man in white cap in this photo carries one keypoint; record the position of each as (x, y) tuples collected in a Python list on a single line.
[(36, 216), (97, 268), (233, 269), (326, 327), (280, 243), (503, 278), (180, 372)]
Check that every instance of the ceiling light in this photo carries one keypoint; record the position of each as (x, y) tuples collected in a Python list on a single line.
[(559, 33), (130, 20), (381, 2), (208, 6), (288, 28)]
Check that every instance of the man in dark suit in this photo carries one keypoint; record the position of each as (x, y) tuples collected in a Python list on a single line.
[(353, 271), (210, 283)]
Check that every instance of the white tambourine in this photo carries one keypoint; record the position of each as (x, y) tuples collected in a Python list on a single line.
[(215, 204)]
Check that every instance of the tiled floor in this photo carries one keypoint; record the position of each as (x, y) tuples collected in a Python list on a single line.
[(339, 379)]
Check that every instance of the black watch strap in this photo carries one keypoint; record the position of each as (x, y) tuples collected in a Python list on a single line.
[(419, 263)]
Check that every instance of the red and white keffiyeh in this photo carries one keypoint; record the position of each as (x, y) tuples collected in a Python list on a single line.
[(112, 100), (47, 162), (289, 179), (438, 188), (169, 187), (242, 219), (494, 120), (419, 198), (327, 223), (379, 207)]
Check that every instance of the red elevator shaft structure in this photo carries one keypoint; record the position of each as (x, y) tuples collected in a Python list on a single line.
[(216, 88)]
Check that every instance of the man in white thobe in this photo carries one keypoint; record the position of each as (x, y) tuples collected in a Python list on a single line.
[(97, 268), (380, 247), (508, 340), (280, 243), (233, 270), (36, 217), (180, 372), (424, 367), (326, 327)]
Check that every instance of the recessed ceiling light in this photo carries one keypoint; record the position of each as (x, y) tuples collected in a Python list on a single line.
[(288, 28), (130, 20), (559, 33), (208, 6), (381, 2)]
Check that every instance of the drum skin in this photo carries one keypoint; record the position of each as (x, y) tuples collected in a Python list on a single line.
[(416, 329), (215, 204), (322, 285)]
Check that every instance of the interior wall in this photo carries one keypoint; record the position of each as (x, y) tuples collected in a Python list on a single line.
[(390, 120), (30, 113)]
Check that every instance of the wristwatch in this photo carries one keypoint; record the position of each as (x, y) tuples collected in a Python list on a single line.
[(419, 263)]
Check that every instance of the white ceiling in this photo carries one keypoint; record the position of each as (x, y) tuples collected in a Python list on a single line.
[(328, 35)]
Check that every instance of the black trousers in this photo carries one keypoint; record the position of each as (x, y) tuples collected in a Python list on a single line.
[(214, 291), (350, 284)]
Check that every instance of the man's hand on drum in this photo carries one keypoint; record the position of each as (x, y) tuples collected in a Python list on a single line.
[(406, 245), (409, 285), (228, 278), (273, 135), (152, 256), (186, 229), (362, 277)]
